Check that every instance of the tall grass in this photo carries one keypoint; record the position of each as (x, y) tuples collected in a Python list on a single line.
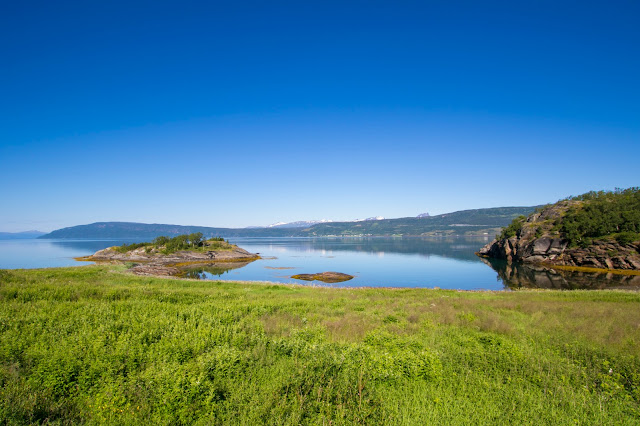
[(95, 345)]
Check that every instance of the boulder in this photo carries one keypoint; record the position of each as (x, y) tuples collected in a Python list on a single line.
[(541, 246), (557, 246)]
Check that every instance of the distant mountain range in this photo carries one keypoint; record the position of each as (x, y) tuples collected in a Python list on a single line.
[(298, 224), (20, 235), (307, 223), (466, 222), (370, 218)]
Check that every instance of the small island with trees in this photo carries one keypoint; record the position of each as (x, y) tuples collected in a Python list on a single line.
[(172, 256)]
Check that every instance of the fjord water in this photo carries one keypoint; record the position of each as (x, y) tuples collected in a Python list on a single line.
[(374, 262), (384, 262), (448, 263), (36, 253)]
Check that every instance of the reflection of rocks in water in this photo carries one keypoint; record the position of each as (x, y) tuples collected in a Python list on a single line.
[(517, 275), (154, 270), (204, 272)]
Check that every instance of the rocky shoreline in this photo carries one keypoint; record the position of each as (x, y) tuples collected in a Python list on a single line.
[(554, 251), (538, 242)]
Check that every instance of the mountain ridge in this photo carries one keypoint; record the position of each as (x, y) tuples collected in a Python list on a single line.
[(464, 222), (24, 235)]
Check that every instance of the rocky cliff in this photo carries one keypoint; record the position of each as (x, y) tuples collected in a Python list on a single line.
[(538, 239)]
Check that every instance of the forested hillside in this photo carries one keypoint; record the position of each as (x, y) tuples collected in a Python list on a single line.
[(464, 222)]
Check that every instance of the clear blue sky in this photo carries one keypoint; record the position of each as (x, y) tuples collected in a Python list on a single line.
[(248, 113)]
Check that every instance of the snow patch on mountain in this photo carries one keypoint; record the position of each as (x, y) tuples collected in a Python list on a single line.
[(298, 224), (306, 223)]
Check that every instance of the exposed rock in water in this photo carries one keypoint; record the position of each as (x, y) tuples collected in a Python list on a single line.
[(539, 241), (325, 277)]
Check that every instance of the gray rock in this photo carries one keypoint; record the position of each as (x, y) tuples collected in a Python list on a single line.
[(591, 262), (620, 263), (633, 262), (541, 245), (557, 246)]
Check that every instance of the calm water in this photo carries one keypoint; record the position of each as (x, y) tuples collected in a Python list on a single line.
[(15, 254), (376, 262)]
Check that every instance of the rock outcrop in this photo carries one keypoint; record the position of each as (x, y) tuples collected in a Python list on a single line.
[(539, 242), (325, 277)]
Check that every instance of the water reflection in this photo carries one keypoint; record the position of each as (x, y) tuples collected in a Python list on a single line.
[(41, 253), (375, 262), (518, 275), (89, 246), (211, 271), (459, 248)]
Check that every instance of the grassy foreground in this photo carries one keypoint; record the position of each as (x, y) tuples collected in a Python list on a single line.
[(95, 345)]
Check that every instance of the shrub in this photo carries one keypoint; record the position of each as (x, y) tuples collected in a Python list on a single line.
[(180, 242), (128, 247), (512, 230), (627, 237), (602, 214)]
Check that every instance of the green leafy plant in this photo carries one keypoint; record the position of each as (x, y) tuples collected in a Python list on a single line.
[(169, 245), (514, 227), (627, 237), (601, 214)]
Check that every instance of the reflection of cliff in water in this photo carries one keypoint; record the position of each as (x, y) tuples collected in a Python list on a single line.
[(518, 275)]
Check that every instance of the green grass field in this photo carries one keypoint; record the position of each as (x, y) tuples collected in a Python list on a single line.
[(96, 345)]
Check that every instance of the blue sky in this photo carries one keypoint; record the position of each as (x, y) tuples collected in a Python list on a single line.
[(248, 113)]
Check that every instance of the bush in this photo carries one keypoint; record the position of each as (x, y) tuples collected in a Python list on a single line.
[(602, 214), (128, 247), (627, 237), (181, 242), (512, 230)]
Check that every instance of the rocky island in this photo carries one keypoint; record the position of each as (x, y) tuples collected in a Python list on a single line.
[(595, 230), (325, 277), (175, 256)]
